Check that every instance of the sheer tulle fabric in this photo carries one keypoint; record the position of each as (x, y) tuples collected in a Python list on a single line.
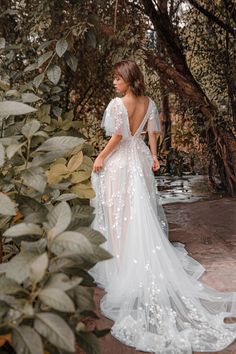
[(153, 292)]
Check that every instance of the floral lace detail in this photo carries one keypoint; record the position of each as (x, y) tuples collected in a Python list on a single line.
[(153, 294)]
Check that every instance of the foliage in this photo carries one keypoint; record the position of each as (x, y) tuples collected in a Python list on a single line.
[(43, 285), (48, 247)]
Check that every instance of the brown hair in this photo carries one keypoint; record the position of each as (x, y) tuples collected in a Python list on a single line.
[(131, 73)]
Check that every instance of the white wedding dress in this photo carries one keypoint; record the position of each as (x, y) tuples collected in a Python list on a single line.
[(153, 294)]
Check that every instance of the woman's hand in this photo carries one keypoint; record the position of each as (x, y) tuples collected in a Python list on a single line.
[(98, 164), (156, 164)]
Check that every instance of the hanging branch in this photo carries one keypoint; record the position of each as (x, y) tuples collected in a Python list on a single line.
[(213, 18)]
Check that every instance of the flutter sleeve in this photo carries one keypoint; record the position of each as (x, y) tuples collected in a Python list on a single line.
[(154, 123), (114, 120)]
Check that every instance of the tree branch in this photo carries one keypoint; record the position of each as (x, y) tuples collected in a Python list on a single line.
[(212, 17)]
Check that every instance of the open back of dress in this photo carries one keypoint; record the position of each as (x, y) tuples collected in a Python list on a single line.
[(153, 291)]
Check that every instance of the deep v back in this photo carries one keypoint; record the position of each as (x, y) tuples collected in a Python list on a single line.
[(143, 121)]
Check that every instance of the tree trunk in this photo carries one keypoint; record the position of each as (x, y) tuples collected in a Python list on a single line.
[(165, 110), (182, 81)]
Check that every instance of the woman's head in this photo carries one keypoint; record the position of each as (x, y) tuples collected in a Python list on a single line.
[(127, 75)]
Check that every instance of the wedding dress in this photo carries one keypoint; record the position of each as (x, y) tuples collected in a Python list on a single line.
[(153, 294)]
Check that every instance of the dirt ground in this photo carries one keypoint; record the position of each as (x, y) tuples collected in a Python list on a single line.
[(208, 229)]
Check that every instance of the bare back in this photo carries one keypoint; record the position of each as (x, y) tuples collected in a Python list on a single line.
[(136, 109)]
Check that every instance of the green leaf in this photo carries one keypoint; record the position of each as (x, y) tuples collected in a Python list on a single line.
[(34, 177), (61, 47), (9, 286), (94, 236), (23, 229), (43, 113), (57, 299), (30, 97), (38, 268), (80, 176), (30, 128), (14, 108), (63, 282), (55, 330), (75, 161), (84, 298), (83, 193), (18, 268), (66, 196), (58, 219), (88, 342), (65, 143), (12, 149), (34, 246), (29, 205), (71, 242), (47, 158), (44, 45), (31, 67), (91, 38), (54, 74), (7, 206), (26, 340), (38, 80), (71, 61), (2, 155), (2, 43), (12, 93), (43, 58)]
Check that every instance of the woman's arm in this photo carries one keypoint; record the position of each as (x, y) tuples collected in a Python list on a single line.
[(112, 143), (152, 136)]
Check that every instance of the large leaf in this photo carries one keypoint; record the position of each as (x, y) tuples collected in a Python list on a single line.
[(55, 330), (39, 267), (30, 97), (23, 229), (14, 108), (43, 58), (31, 67), (63, 282), (18, 268), (72, 61), (12, 149), (56, 173), (88, 342), (9, 286), (83, 193), (57, 299), (64, 143), (26, 340), (54, 74), (80, 176), (30, 128), (66, 196), (61, 46), (75, 161), (29, 205), (58, 219), (2, 155), (71, 242), (2, 43), (84, 298), (34, 177), (34, 246), (38, 80), (7, 206), (47, 158), (93, 236)]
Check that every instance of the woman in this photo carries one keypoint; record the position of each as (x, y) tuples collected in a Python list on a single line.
[(153, 294)]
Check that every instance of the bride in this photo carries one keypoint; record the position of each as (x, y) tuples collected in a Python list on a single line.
[(153, 291)]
